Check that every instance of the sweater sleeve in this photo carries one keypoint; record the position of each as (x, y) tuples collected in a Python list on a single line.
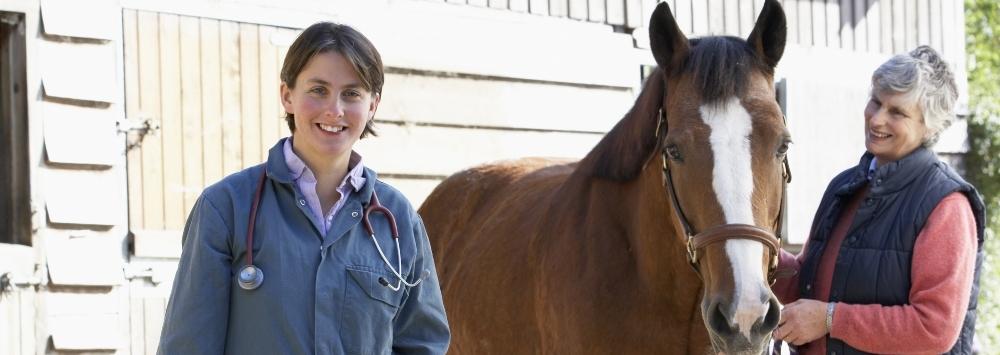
[(944, 256), (786, 288)]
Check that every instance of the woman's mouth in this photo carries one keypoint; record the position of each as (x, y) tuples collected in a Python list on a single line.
[(330, 128), (878, 135)]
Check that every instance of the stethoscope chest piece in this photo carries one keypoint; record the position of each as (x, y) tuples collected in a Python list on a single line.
[(250, 277)]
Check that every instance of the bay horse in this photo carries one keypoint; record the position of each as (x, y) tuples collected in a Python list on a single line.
[(544, 257)]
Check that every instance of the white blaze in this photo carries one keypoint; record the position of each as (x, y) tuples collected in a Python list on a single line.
[(732, 179)]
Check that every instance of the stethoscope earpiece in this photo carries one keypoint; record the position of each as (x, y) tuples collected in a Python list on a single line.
[(250, 277)]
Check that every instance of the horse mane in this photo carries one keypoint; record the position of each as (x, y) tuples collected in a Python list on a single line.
[(720, 68)]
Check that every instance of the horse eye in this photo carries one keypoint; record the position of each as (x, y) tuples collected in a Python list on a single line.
[(783, 149), (673, 152)]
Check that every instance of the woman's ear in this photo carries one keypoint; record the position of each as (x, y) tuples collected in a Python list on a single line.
[(376, 98), (286, 98)]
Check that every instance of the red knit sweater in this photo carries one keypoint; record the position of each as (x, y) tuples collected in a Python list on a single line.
[(944, 256)]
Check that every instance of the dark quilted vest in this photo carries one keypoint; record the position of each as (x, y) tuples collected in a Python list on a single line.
[(873, 265)]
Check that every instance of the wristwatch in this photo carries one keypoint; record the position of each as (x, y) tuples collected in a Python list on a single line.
[(829, 316)]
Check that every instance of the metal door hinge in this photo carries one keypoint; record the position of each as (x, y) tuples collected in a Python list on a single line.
[(137, 129)]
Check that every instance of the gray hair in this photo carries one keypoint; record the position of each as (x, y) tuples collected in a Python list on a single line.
[(924, 77)]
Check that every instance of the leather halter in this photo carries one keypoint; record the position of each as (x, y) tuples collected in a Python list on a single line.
[(723, 232)]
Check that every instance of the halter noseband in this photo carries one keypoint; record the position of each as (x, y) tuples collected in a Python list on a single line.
[(696, 242)]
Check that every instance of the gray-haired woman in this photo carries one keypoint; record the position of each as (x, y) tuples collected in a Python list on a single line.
[(893, 257)]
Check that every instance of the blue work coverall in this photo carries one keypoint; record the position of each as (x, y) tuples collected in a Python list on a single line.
[(321, 292)]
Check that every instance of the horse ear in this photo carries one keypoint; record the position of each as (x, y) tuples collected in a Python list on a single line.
[(768, 35), (666, 40)]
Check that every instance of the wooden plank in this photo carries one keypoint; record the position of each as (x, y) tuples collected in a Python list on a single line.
[(498, 4), (481, 103), (211, 100), (232, 133), (480, 3), (28, 323), (898, 26), (130, 33), (94, 301), (833, 24), (805, 23), (745, 17), (615, 12), (716, 17), (910, 25), (81, 333), (135, 320), (860, 25), (935, 24), (792, 17), (731, 15), (874, 18), (415, 190), (190, 71), (819, 25), (923, 22), (154, 310), (700, 17), (595, 11), (559, 8), (83, 258), (269, 90), (10, 322), (92, 77), (647, 11), (157, 243), (847, 24), (250, 95), (633, 14), (283, 130), (80, 135), (518, 5), (98, 203), (62, 18), (685, 17), (539, 7), (171, 127), (403, 150), (885, 26), (951, 43), (149, 103)]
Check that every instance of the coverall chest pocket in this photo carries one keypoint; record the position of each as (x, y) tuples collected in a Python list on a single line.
[(368, 311)]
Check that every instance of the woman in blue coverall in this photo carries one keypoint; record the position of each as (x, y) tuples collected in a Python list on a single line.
[(325, 288)]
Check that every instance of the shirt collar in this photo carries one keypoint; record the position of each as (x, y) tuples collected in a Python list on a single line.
[(871, 168), (297, 167)]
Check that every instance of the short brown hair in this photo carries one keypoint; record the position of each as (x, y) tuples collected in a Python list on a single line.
[(323, 37)]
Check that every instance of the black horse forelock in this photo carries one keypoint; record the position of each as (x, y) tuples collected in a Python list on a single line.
[(721, 67)]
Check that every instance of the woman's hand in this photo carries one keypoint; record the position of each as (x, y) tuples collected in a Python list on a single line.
[(802, 321)]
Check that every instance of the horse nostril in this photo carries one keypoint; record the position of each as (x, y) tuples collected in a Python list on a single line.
[(719, 321), (770, 321)]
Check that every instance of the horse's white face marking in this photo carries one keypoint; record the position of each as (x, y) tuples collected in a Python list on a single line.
[(732, 179)]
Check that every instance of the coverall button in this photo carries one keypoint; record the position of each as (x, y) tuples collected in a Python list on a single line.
[(354, 214), (302, 202)]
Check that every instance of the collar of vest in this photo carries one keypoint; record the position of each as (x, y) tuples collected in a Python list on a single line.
[(890, 177)]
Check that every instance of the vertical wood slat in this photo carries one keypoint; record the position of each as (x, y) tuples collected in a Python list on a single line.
[(792, 16), (577, 9), (283, 130), (17, 322), (149, 104), (847, 24), (211, 101), (819, 26), (615, 12), (684, 14), (716, 17), (559, 8), (232, 131), (498, 4), (833, 24), (731, 13), (153, 312), (923, 22), (910, 25), (885, 26), (898, 26), (633, 13), (137, 333), (190, 53), (595, 11), (747, 14), (538, 7), (26, 313), (699, 16), (171, 127), (873, 16), (518, 5), (805, 23), (935, 24), (949, 41), (480, 3), (269, 84), (250, 94), (130, 48), (860, 26)]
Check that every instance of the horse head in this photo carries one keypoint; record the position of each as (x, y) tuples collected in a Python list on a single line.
[(721, 143)]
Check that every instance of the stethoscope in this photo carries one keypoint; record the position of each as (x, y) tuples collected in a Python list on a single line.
[(251, 277)]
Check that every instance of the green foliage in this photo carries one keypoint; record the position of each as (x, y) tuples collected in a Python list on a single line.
[(982, 19)]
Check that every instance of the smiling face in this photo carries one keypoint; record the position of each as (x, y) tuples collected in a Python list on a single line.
[(331, 107), (894, 126)]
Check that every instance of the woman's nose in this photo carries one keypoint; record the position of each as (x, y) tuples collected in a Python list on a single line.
[(335, 108)]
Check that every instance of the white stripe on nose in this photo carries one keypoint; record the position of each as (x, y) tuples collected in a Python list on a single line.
[(732, 179)]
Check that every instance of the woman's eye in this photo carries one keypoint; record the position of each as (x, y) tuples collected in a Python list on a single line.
[(352, 93), (319, 90)]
